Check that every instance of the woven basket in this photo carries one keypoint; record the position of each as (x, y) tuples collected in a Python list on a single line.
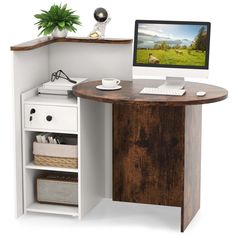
[(56, 161), (58, 155)]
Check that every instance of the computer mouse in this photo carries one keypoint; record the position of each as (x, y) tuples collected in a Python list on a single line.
[(201, 93)]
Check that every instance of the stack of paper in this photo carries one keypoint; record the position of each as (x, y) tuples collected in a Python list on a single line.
[(62, 84), (59, 87)]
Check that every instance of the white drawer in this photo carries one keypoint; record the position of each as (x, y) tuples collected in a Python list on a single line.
[(48, 117)]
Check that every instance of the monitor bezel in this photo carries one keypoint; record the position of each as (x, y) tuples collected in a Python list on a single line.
[(137, 22)]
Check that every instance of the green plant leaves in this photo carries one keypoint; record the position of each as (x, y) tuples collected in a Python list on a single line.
[(48, 30), (58, 16), (61, 24)]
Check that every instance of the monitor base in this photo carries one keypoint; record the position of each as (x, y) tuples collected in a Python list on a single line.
[(173, 83)]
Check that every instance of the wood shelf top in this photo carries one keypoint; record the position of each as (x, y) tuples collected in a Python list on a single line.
[(43, 41), (130, 93)]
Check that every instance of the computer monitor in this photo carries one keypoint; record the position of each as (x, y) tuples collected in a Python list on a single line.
[(171, 49)]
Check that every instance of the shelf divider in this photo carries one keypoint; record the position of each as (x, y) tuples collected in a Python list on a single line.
[(32, 166)]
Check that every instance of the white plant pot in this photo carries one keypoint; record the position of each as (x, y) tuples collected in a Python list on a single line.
[(59, 33)]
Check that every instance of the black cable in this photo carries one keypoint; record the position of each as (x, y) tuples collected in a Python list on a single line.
[(61, 74)]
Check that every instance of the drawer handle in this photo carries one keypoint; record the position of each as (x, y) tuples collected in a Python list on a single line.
[(48, 118), (32, 111)]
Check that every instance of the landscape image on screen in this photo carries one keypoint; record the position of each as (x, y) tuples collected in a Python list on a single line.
[(171, 44)]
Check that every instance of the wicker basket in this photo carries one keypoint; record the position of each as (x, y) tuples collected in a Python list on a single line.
[(55, 161), (57, 155)]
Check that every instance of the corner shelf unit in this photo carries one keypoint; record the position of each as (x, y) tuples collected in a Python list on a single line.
[(33, 63)]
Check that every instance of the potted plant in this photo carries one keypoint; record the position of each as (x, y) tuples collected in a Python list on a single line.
[(57, 21)]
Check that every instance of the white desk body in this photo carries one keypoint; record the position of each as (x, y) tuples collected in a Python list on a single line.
[(93, 61)]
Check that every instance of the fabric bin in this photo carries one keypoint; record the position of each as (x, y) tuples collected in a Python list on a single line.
[(57, 155), (58, 189)]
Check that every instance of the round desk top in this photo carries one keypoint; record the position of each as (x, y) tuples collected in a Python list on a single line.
[(129, 93)]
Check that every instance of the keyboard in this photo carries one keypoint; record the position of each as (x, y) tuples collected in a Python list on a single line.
[(161, 91)]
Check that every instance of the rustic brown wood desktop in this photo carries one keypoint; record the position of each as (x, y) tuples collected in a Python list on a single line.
[(43, 41), (156, 143)]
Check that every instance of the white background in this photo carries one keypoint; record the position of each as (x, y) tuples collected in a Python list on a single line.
[(218, 204)]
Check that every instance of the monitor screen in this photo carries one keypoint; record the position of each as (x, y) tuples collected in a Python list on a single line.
[(173, 44)]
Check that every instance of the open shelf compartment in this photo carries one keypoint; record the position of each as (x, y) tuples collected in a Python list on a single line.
[(53, 209), (30, 201), (29, 138)]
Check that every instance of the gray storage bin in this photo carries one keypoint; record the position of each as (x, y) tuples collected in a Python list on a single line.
[(58, 189)]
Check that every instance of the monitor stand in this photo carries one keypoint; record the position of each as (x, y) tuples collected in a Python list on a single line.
[(173, 83)]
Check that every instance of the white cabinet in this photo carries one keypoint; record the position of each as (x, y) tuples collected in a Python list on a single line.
[(74, 116), (54, 114)]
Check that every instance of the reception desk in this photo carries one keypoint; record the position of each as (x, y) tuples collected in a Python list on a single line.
[(131, 147)]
